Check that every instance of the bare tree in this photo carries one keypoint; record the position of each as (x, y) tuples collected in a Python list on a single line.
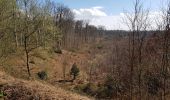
[(31, 25), (137, 22), (166, 51)]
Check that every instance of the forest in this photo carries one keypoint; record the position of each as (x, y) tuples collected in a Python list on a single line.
[(47, 54)]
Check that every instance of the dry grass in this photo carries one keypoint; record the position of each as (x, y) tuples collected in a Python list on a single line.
[(17, 89), (43, 61), (51, 63)]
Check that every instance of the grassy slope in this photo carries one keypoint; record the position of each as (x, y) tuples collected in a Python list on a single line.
[(50, 62), (18, 89)]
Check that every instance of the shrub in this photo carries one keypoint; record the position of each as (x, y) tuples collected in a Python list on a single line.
[(32, 62), (101, 92), (2, 94), (153, 83), (42, 75), (110, 88), (74, 71), (107, 90), (99, 46), (79, 88), (59, 51), (89, 89)]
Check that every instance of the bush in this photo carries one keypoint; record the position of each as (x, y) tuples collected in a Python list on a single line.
[(102, 92), (110, 88), (59, 51), (79, 88), (32, 62), (89, 89), (99, 46), (42, 75), (153, 83), (2, 94)]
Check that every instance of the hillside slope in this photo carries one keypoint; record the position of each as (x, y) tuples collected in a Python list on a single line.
[(17, 89)]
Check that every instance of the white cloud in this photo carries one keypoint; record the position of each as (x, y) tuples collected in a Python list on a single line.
[(90, 12), (110, 22), (97, 16)]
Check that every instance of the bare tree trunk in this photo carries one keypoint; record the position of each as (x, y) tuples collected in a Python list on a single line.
[(132, 65), (27, 57), (15, 28)]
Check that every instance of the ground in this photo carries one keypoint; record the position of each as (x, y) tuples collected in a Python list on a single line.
[(52, 63), (18, 89)]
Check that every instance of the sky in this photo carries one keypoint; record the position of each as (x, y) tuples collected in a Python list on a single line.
[(107, 13)]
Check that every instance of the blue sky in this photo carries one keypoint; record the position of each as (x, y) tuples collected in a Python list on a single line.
[(107, 11), (110, 6)]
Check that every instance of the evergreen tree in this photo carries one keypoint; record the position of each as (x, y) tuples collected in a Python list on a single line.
[(74, 71)]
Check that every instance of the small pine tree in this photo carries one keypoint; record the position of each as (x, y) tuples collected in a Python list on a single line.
[(74, 71)]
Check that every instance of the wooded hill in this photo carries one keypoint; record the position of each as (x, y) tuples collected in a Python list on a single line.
[(42, 44)]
